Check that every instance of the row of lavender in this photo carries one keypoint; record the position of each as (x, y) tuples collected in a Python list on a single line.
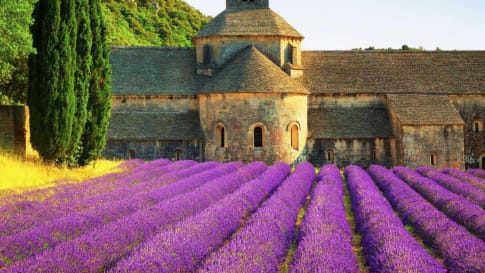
[(182, 223)]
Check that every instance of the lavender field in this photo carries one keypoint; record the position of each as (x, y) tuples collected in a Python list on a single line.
[(184, 216)]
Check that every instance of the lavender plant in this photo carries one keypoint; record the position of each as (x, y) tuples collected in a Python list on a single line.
[(388, 246), (49, 234), (181, 248), (454, 206), (325, 236), (467, 177), (453, 184), (263, 242), (103, 247), (461, 251), (480, 173)]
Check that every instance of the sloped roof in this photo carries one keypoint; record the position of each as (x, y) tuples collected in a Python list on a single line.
[(254, 22), (412, 109), (155, 126), (154, 70), (350, 122), (446, 72), (252, 72)]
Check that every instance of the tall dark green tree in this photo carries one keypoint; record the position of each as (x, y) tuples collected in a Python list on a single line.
[(99, 104), (52, 99), (82, 78)]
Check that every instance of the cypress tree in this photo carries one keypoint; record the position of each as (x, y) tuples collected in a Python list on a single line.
[(82, 78), (99, 104), (52, 99)]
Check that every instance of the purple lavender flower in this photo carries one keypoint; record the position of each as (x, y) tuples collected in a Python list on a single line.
[(326, 238), (480, 173), (388, 246), (454, 206), (181, 248), (452, 183), (462, 251), (263, 242), (103, 247), (468, 177)]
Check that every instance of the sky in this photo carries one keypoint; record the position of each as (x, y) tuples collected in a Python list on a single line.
[(348, 24)]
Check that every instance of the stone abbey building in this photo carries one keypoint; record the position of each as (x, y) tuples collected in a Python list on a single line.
[(247, 91)]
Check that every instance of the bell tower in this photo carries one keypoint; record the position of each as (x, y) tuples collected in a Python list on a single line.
[(238, 4)]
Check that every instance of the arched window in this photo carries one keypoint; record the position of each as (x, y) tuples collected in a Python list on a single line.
[(373, 154), (222, 137), (294, 137), (477, 126), (433, 159), (258, 137), (482, 161), (131, 154), (330, 156)]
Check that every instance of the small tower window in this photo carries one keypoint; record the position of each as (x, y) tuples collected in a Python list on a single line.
[(207, 54), (330, 156), (482, 162), (433, 160), (477, 126), (178, 155), (258, 137)]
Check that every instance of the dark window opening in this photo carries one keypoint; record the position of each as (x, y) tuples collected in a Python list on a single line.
[(477, 127), (294, 137), (177, 155), (373, 155), (433, 159), (207, 54), (330, 156), (222, 136), (131, 154), (258, 137), (483, 162)]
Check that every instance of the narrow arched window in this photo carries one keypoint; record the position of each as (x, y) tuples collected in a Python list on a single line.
[(131, 154), (477, 126), (433, 160), (294, 137), (258, 137), (482, 162), (222, 137), (373, 155), (178, 155), (330, 155)]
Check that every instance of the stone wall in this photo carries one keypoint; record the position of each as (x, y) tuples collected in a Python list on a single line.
[(239, 114), (14, 133), (471, 109), (346, 152), (420, 142), (154, 149)]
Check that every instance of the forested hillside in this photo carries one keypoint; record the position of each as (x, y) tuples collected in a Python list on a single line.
[(129, 22), (152, 22)]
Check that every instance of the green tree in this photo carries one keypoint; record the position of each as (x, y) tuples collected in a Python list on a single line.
[(99, 104), (15, 47), (82, 78), (52, 99)]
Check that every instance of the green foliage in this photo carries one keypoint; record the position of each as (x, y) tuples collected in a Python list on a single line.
[(15, 47), (52, 99), (99, 104), (151, 22)]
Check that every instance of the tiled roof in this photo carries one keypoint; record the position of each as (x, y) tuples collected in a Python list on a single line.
[(251, 71), (414, 109), (350, 122), (446, 72), (254, 22), (155, 126), (154, 71)]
